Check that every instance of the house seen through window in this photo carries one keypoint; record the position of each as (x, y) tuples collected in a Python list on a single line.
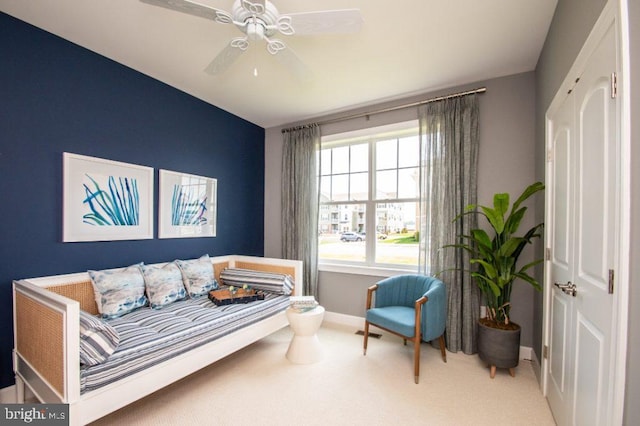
[(369, 197)]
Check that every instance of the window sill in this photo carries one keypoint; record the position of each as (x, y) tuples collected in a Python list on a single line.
[(365, 270)]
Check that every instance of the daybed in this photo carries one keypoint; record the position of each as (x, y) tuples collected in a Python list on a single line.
[(47, 323)]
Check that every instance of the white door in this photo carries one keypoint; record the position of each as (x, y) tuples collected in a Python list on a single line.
[(560, 189), (582, 216)]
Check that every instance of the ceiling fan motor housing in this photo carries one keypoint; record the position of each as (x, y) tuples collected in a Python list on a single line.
[(255, 29)]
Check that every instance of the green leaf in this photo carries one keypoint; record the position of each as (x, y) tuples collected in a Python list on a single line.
[(531, 189), (510, 246), (470, 209), (481, 237), (488, 268), (494, 288), (501, 203), (495, 219), (528, 278), (531, 233), (437, 274), (513, 221), (530, 265), (462, 246)]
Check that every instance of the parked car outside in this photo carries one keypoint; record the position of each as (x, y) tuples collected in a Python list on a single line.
[(351, 236), (379, 235)]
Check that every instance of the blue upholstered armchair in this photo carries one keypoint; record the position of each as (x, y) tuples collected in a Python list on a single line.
[(413, 307)]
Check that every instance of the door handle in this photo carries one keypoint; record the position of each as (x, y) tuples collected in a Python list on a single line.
[(568, 288)]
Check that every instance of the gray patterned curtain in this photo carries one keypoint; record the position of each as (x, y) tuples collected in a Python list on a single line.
[(300, 201), (449, 133)]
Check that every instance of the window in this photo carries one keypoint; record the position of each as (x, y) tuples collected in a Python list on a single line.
[(369, 197)]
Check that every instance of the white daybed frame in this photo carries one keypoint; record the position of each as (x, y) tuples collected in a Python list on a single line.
[(47, 344)]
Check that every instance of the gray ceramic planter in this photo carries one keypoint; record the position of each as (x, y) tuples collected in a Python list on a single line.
[(499, 348)]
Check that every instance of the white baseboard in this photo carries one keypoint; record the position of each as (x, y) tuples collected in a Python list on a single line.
[(526, 352), (8, 395), (343, 319)]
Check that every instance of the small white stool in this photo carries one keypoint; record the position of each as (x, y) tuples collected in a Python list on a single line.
[(305, 348)]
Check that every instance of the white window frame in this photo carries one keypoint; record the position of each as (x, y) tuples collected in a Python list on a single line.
[(370, 136)]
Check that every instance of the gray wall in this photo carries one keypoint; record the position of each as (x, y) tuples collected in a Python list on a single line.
[(506, 164), (571, 25)]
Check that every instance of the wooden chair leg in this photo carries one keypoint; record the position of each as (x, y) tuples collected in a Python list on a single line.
[(443, 349), (366, 336), (512, 372), (492, 374), (416, 359)]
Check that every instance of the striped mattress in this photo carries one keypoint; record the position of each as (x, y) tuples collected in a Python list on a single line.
[(151, 336)]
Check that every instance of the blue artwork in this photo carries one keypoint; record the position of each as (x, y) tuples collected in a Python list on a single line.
[(188, 206), (116, 205)]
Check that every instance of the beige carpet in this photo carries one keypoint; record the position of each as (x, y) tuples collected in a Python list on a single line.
[(259, 386)]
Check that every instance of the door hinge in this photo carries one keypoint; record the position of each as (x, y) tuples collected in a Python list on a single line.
[(547, 254), (614, 85), (545, 352), (611, 279)]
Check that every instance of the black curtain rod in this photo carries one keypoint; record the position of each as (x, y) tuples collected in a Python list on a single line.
[(304, 126), (394, 108)]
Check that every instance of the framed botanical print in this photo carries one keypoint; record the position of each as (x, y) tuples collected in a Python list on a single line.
[(187, 206), (105, 200)]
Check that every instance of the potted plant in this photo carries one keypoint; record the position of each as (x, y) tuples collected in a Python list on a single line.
[(495, 255)]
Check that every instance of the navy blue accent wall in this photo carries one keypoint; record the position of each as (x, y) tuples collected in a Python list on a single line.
[(57, 97)]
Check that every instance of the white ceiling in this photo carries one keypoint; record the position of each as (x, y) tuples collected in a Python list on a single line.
[(405, 47)]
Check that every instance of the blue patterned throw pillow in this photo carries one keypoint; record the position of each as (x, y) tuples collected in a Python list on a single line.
[(163, 284), (118, 291), (197, 275)]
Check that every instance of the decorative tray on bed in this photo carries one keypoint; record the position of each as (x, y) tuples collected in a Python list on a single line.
[(226, 297)]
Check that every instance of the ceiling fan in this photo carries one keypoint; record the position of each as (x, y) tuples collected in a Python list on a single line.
[(260, 20)]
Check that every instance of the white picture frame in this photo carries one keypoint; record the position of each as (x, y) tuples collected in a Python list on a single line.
[(105, 200), (187, 205)]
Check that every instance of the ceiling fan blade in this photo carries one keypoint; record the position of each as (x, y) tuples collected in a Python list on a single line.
[(294, 64), (226, 57), (256, 7), (193, 8), (326, 22)]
